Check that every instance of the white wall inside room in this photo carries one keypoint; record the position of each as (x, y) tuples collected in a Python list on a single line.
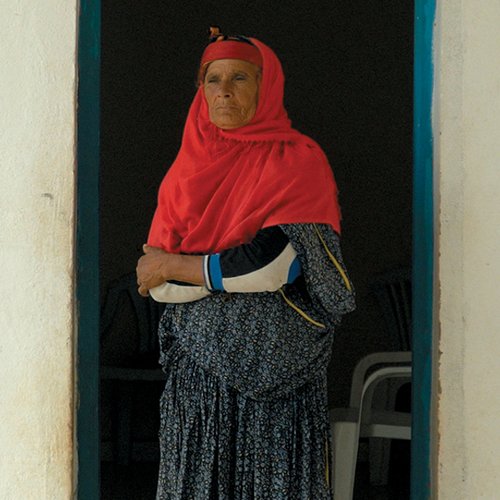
[(37, 142), (467, 131)]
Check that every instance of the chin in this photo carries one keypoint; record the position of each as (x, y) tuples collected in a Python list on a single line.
[(226, 123), (229, 127)]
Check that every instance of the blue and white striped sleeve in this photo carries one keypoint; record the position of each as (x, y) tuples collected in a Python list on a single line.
[(264, 265)]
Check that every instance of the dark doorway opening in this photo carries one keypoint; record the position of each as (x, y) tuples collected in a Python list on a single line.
[(349, 69)]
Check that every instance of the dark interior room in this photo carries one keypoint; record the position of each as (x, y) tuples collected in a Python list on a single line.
[(349, 85)]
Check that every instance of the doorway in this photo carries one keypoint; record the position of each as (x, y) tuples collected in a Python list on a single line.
[(349, 85)]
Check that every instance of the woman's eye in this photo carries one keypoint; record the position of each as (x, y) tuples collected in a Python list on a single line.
[(239, 77)]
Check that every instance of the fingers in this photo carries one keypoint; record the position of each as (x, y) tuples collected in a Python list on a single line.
[(146, 270), (142, 283), (142, 288), (141, 278)]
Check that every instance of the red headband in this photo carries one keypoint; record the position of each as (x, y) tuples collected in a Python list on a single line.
[(229, 49)]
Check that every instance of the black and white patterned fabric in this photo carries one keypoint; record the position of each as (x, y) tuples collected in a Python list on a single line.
[(244, 411)]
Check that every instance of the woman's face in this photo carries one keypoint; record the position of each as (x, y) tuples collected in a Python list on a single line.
[(232, 92)]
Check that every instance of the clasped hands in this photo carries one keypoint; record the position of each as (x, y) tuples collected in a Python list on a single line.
[(152, 269), (157, 266)]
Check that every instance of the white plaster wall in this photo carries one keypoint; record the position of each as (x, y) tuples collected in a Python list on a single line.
[(37, 162), (467, 139)]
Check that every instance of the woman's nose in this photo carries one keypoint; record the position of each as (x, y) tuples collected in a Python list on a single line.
[(225, 89)]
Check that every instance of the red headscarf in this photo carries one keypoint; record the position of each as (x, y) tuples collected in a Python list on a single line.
[(225, 185)]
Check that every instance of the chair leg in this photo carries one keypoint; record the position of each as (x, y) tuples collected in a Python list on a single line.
[(379, 448), (123, 444), (379, 457), (345, 455)]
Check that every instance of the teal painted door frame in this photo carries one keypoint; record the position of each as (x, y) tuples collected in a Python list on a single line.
[(87, 263), (87, 251), (423, 250)]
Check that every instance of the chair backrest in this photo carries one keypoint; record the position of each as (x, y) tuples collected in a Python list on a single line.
[(146, 311), (393, 293)]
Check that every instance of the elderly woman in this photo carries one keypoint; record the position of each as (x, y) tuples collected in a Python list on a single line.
[(244, 249)]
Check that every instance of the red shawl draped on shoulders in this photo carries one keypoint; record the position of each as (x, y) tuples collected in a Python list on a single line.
[(225, 185)]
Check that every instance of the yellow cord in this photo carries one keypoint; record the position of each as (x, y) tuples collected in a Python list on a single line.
[(334, 260), (300, 311), (339, 269)]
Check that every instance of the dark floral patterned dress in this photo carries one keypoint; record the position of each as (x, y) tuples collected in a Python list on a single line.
[(244, 411)]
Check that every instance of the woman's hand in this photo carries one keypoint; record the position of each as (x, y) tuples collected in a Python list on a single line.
[(157, 266), (152, 269)]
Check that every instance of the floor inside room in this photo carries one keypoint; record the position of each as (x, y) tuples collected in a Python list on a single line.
[(137, 481)]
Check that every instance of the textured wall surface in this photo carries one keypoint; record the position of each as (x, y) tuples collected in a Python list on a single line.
[(37, 127), (467, 130), (37, 140)]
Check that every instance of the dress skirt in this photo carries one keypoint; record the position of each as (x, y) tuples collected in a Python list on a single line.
[(216, 444), (244, 412)]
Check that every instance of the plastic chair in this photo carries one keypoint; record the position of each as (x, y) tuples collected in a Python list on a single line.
[(122, 300), (382, 369)]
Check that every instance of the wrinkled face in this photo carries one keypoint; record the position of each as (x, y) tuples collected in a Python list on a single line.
[(232, 92)]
